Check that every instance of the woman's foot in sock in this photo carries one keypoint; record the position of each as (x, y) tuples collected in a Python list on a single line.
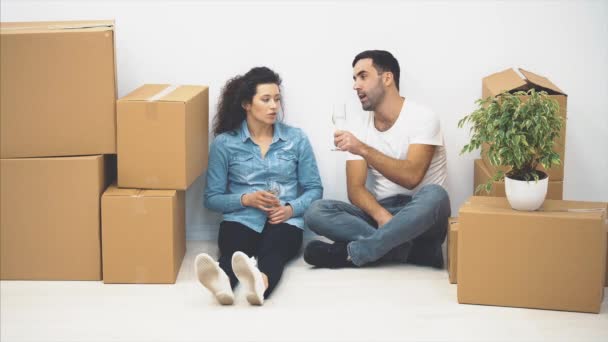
[(250, 276), (211, 276)]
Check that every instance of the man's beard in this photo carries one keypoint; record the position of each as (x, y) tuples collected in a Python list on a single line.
[(374, 100)]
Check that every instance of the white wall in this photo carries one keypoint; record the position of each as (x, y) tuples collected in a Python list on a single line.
[(444, 49)]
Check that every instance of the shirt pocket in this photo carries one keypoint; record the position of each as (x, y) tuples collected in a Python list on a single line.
[(288, 164), (241, 167)]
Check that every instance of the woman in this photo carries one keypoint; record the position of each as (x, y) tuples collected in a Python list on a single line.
[(252, 156)]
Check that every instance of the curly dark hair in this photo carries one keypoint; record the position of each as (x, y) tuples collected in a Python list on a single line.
[(240, 90)]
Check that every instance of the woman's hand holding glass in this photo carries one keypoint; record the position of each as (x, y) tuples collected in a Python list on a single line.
[(263, 200), (278, 213), (268, 201)]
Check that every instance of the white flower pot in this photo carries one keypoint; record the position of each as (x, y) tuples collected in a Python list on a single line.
[(526, 195)]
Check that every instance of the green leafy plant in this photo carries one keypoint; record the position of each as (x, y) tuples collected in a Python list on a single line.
[(520, 129)]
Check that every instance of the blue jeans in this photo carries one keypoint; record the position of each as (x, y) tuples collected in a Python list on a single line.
[(416, 231)]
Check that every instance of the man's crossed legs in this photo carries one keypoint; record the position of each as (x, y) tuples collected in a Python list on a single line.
[(414, 234)]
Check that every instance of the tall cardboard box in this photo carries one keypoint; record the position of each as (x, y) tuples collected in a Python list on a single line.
[(553, 258), (50, 217), (512, 81), (143, 235), (162, 136), (555, 189), (453, 250), (58, 89)]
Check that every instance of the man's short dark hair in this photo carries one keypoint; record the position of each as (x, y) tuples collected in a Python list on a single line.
[(382, 61)]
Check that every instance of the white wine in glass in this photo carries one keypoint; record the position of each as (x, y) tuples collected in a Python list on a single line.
[(338, 118), (273, 187)]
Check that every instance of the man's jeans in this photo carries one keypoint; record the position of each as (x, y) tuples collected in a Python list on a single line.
[(416, 231)]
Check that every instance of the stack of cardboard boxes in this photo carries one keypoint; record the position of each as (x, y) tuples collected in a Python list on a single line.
[(510, 80), (553, 258), (57, 132), (162, 149), (61, 134)]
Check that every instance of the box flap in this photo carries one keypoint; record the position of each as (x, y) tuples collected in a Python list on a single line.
[(113, 190), (498, 205), (54, 26), (511, 80), (506, 80), (541, 81)]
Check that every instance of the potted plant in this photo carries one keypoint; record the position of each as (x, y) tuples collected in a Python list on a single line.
[(520, 129)]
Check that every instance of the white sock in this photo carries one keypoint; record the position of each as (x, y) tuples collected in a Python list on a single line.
[(250, 276), (213, 278)]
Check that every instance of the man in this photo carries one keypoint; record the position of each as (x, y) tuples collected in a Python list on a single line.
[(396, 174)]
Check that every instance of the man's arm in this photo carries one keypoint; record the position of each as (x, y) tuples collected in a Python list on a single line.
[(356, 174), (409, 172)]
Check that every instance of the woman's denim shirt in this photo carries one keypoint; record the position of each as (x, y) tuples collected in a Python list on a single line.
[(236, 167)]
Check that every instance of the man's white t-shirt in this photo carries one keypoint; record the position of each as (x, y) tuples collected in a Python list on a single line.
[(416, 124)]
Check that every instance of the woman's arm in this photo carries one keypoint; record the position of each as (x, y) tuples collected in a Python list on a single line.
[(215, 195)]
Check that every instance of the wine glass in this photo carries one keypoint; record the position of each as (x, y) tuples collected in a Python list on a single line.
[(273, 187), (338, 118)]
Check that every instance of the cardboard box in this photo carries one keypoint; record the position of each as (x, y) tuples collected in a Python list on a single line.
[(548, 259), (143, 235), (555, 189), (510, 80), (162, 136), (452, 253), (50, 217), (453, 250), (58, 89)]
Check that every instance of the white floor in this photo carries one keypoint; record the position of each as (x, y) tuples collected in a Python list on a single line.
[(387, 303)]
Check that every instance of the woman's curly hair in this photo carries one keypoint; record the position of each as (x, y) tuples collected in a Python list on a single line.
[(238, 91)]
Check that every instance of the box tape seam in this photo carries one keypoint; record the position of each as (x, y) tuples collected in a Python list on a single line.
[(162, 93)]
